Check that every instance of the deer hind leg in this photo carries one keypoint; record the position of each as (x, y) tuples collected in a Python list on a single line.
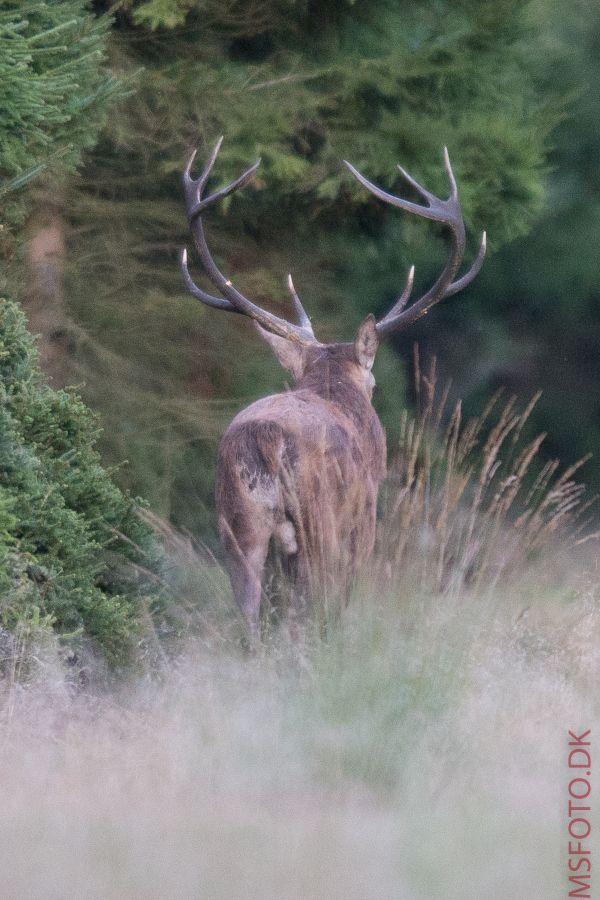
[(300, 592), (290, 545), (287, 547), (246, 553)]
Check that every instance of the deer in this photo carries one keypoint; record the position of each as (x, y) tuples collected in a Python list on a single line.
[(298, 472)]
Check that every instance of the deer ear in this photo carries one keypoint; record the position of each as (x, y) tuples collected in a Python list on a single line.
[(289, 354), (366, 342)]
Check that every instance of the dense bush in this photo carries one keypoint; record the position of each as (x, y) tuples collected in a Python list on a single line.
[(74, 554)]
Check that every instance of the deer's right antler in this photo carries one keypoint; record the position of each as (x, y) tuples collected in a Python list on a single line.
[(232, 300), (449, 213)]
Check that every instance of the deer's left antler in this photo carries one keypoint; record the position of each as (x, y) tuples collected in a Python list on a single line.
[(448, 212)]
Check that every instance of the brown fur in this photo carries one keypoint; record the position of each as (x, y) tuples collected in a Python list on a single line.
[(300, 471)]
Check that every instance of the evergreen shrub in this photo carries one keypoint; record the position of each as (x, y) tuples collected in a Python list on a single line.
[(75, 556)]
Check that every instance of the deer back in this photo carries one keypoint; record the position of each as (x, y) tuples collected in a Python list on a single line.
[(312, 458)]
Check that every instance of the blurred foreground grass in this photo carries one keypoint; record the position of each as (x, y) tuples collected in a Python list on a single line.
[(417, 752)]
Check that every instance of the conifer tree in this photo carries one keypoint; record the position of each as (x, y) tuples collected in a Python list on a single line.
[(75, 557), (54, 92), (72, 545)]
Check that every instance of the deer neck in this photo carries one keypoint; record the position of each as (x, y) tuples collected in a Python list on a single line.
[(331, 383)]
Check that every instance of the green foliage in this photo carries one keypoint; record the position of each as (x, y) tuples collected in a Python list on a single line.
[(162, 13), (73, 549), (303, 85), (54, 92), (533, 321)]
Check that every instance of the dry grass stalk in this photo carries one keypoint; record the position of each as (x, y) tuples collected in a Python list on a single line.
[(464, 505)]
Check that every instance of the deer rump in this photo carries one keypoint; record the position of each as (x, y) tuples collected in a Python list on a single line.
[(293, 478)]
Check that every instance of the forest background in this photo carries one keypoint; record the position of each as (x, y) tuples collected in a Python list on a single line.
[(101, 106), (416, 745)]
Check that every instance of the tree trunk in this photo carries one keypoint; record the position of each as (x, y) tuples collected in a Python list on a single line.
[(44, 301)]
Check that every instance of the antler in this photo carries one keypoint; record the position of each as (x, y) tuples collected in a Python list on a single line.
[(232, 300), (449, 213)]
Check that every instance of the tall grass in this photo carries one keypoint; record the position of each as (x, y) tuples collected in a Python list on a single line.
[(467, 503), (414, 749), (415, 755)]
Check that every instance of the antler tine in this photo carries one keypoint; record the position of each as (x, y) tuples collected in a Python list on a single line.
[(215, 302), (407, 205), (415, 184), (198, 184), (300, 311), (403, 298), (475, 269), (209, 165), (202, 203), (188, 166), (450, 174), (233, 300), (447, 212)]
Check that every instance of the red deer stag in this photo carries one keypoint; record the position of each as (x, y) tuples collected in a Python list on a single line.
[(299, 471)]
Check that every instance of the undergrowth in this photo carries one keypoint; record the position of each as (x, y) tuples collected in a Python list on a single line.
[(467, 505), (413, 747), (76, 559)]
